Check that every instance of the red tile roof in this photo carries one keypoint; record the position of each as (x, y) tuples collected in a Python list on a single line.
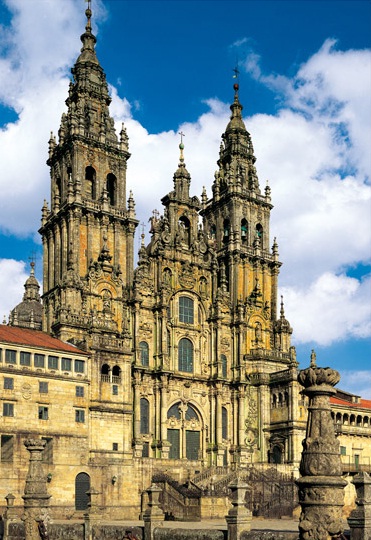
[(363, 403), (35, 338)]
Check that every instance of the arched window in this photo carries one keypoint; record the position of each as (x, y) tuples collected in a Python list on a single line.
[(174, 411), (144, 353), (144, 416), (224, 423), (105, 373), (111, 189), (244, 231), (91, 188), (116, 374), (212, 232), (82, 485), (223, 360), (186, 310), (185, 355), (191, 413)]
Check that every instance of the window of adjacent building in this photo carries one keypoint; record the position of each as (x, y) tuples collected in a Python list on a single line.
[(66, 364), (8, 383), (115, 446), (79, 391), (1, 355), (25, 358), (7, 448), (343, 450), (43, 413), (52, 362), (80, 416), (39, 360), (144, 353), (79, 366), (10, 356), (115, 390), (47, 455), (8, 409), (185, 355), (186, 310), (43, 387), (144, 416)]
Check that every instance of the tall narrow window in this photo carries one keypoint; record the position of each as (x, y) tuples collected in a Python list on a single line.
[(90, 183), (244, 231), (8, 383), (144, 353), (224, 423), (223, 360), (186, 310), (111, 189), (226, 230), (185, 355), (144, 416), (259, 233), (8, 409), (39, 360)]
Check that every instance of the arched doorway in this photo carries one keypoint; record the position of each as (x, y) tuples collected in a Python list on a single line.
[(82, 485), (184, 432)]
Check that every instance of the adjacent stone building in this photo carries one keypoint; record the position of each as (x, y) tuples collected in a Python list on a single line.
[(181, 364)]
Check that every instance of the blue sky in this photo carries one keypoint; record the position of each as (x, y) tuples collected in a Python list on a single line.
[(305, 83)]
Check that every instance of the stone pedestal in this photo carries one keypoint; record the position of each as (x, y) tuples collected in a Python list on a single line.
[(321, 488), (36, 499), (239, 517), (360, 518), (153, 517)]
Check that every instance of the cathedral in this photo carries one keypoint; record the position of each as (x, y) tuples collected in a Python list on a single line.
[(181, 363)]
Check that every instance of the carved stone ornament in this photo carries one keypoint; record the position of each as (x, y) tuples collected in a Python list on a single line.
[(321, 488)]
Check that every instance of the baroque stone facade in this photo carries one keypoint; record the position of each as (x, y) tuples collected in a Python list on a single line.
[(188, 363)]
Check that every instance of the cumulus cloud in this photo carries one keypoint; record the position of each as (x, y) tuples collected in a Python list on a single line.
[(314, 151)]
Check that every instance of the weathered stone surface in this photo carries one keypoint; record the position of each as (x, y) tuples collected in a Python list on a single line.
[(268, 535)]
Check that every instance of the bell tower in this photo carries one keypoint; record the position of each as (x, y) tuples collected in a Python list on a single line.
[(88, 231)]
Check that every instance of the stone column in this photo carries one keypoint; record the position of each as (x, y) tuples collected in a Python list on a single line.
[(360, 518), (36, 499), (239, 516), (165, 445), (137, 442), (321, 488), (153, 517), (92, 516)]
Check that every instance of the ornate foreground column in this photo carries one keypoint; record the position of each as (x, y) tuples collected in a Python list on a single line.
[(36, 499), (321, 488)]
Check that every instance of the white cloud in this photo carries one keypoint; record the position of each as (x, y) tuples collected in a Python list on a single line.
[(331, 309), (12, 279), (314, 151)]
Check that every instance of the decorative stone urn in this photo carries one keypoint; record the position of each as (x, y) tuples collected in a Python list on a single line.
[(321, 488)]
